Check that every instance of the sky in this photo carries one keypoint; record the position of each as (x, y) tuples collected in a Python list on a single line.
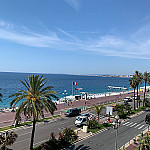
[(75, 36)]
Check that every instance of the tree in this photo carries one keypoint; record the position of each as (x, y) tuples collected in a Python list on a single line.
[(120, 111), (98, 110), (138, 78), (7, 138), (128, 108), (133, 84), (36, 98), (144, 141), (69, 134), (146, 78)]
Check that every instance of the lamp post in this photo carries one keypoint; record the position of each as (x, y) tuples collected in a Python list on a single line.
[(65, 93), (109, 88), (116, 124)]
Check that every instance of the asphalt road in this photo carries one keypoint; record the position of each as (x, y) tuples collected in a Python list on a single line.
[(106, 140), (42, 132), (99, 141)]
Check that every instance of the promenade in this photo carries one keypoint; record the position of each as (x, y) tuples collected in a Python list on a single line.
[(7, 118)]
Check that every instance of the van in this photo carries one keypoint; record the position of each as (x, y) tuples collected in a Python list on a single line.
[(73, 112), (81, 120), (147, 119)]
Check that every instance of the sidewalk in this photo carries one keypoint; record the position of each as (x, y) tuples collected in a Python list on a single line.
[(6, 118)]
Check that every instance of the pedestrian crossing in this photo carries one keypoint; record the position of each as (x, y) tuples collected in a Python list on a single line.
[(134, 125)]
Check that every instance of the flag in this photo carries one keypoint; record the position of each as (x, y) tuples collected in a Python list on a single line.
[(74, 83), (76, 88)]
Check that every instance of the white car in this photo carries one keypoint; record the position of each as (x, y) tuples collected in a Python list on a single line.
[(81, 120)]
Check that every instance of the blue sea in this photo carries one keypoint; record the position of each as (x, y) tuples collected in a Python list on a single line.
[(10, 83)]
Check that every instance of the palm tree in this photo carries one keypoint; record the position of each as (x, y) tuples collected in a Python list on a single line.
[(138, 78), (36, 98), (133, 84), (8, 138), (98, 110), (146, 78)]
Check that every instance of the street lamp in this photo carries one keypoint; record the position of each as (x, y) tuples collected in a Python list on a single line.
[(65, 93), (109, 88), (116, 125)]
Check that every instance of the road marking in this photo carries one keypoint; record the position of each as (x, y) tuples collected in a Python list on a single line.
[(133, 124), (137, 125), (145, 128), (141, 127), (129, 124), (126, 123), (22, 140), (63, 123), (24, 133), (39, 142), (113, 131)]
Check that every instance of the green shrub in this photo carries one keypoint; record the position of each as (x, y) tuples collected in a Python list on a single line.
[(92, 124), (69, 135)]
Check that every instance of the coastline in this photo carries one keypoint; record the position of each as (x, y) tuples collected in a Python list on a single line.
[(8, 117)]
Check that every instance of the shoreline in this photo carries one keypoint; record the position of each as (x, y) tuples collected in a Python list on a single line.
[(8, 117)]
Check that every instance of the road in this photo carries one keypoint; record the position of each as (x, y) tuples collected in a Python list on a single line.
[(106, 140), (102, 141), (42, 132)]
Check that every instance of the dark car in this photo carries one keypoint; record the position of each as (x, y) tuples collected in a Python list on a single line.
[(147, 119), (73, 112), (125, 103)]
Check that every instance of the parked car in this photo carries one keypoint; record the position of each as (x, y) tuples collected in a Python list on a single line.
[(128, 99), (81, 120), (136, 98), (73, 112), (147, 119), (85, 114)]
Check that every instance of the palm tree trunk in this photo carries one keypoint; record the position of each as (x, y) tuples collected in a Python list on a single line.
[(32, 135), (134, 98), (144, 95), (137, 96)]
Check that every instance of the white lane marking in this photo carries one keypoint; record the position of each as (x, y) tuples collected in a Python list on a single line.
[(24, 133), (133, 124), (22, 140), (129, 124), (126, 123), (63, 123), (137, 125), (39, 142), (141, 127), (113, 131)]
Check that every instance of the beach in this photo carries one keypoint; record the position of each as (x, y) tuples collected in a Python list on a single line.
[(7, 118)]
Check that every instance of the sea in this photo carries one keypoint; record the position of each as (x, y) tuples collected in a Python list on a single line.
[(10, 83)]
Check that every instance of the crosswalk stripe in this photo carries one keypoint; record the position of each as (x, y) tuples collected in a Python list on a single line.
[(126, 123), (133, 124), (129, 124), (141, 127), (137, 125)]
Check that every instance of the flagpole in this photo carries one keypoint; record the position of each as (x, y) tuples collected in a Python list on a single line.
[(72, 88)]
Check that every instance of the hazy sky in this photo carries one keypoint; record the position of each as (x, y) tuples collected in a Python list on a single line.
[(75, 36)]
